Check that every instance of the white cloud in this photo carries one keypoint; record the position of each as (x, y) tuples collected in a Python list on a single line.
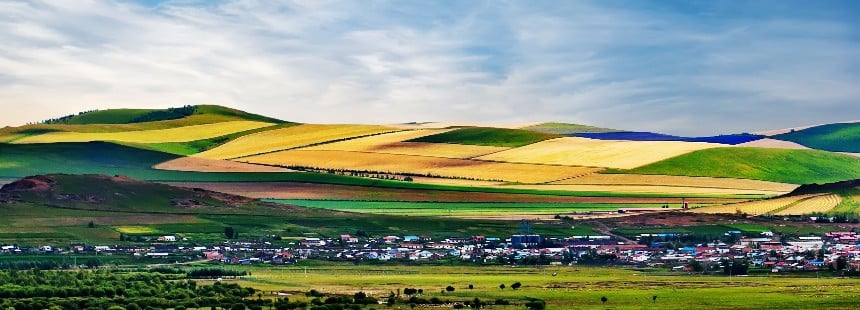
[(693, 72)]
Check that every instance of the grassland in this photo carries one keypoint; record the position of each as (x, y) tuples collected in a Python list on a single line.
[(775, 165), (579, 287), (565, 128), (671, 180), (843, 137), (420, 165), (573, 151), (290, 138), (392, 143), (458, 209), (180, 134), (487, 136)]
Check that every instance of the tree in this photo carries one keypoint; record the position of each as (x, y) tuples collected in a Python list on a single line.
[(502, 286), (603, 299), (654, 298), (516, 285), (91, 225), (229, 232), (476, 303), (449, 289), (471, 286), (238, 307)]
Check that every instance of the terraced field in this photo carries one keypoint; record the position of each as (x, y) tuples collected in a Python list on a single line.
[(574, 151), (392, 143), (420, 165), (754, 207), (682, 181), (180, 134), (817, 204), (290, 138)]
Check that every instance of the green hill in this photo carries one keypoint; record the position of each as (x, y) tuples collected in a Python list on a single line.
[(831, 137), (566, 129), (488, 136), (778, 165), (131, 116)]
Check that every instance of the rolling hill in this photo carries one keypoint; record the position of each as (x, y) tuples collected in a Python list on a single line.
[(842, 137), (487, 136)]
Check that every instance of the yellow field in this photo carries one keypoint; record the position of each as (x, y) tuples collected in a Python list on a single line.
[(445, 167), (392, 143), (817, 204), (574, 151), (135, 229), (180, 134), (754, 207), (289, 138), (671, 180), (645, 189)]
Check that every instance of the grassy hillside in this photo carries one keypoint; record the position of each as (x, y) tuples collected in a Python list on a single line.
[(113, 116), (128, 116), (487, 136), (832, 137), (778, 165), (566, 128)]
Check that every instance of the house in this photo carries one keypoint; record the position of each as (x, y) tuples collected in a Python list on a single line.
[(346, 238), (309, 242), (411, 239), (167, 239), (390, 239)]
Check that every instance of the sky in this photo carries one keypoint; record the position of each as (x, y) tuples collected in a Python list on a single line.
[(679, 67)]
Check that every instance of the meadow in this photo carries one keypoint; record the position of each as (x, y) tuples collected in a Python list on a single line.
[(580, 287), (844, 137), (573, 151)]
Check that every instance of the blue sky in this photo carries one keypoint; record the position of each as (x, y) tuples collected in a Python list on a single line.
[(681, 67)]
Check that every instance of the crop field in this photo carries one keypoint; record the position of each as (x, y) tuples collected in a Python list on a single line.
[(563, 287), (775, 165), (754, 207), (817, 204), (290, 138), (487, 136), (214, 165), (180, 134), (462, 208), (565, 128), (392, 143), (649, 189), (420, 165), (683, 181), (573, 151)]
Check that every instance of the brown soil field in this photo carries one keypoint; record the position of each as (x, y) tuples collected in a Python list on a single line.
[(214, 165), (287, 190)]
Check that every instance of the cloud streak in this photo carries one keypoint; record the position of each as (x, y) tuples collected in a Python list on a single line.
[(702, 68)]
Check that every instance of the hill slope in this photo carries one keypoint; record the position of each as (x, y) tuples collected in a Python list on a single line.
[(778, 165), (843, 137), (487, 136)]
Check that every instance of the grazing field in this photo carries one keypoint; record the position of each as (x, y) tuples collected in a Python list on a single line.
[(754, 207), (565, 128), (420, 165), (459, 209), (843, 137), (214, 165), (672, 180), (290, 138), (574, 151), (817, 204), (487, 136), (180, 134), (650, 136), (392, 143), (579, 287), (775, 165)]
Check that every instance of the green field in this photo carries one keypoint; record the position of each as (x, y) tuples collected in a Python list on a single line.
[(460, 208), (566, 128), (831, 137), (488, 137), (576, 287), (777, 165)]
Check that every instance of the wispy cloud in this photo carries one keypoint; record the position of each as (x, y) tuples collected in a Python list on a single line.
[(678, 67)]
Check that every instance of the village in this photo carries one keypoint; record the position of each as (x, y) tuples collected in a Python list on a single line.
[(765, 252)]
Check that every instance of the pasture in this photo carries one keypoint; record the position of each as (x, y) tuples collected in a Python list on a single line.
[(290, 138), (179, 134), (487, 136), (573, 151), (420, 165), (775, 165), (579, 287), (392, 143)]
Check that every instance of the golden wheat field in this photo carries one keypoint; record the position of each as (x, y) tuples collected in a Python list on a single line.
[(422, 165), (683, 181), (575, 151), (179, 134), (817, 204), (289, 138), (645, 189), (392, 143), (214, 165), (758, 207)]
